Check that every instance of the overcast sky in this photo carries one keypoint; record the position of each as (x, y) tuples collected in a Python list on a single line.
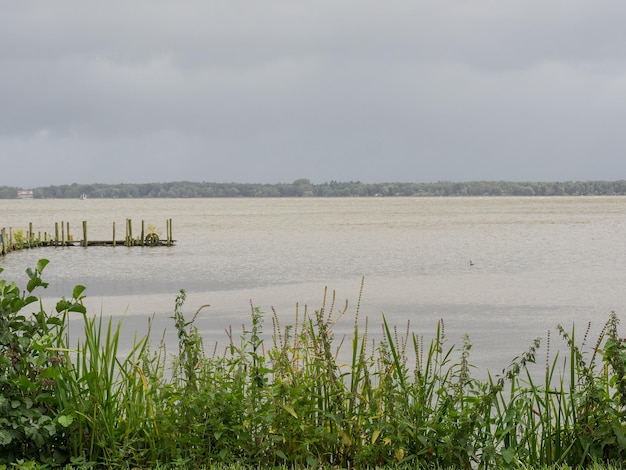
[(135, 91)]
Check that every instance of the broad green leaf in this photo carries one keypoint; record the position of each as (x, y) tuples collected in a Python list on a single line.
[(619, 434), (5, 437), (54, 321), (508, 455), (63, 305), (52, 430), (80, 308), (49, 373), (65, 420), (41, 264), (78, 290), (33, 283), (17, 305)]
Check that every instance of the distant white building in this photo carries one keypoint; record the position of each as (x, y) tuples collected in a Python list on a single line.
[(24, 193)]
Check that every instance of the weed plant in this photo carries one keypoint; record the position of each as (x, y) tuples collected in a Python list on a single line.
[(298, 396)]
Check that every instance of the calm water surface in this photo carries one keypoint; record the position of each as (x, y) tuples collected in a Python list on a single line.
[(537, 262)]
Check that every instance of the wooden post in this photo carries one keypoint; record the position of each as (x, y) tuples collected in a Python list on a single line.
[(113, 233), (31, 238), (169, 232), (129, 232), (62, 233), (85, 242), (3, 241), (142, 233), (69, 237), (56, 234)]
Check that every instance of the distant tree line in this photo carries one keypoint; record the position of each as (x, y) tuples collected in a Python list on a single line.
[(304, 188)]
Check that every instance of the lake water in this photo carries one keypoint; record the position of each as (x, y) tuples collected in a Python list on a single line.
[(537, 262)]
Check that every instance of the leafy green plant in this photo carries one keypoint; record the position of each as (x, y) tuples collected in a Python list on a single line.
[(103, 394), (19, 239), (576, 416), (298, 396), (29, 422)]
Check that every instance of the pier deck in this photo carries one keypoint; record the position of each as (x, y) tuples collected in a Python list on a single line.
[(15, 240)]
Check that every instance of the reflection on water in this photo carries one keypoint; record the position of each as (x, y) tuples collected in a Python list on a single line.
[(536, 261)]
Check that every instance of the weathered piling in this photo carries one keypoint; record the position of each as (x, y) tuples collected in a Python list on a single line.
[(3, 242), (129, 232), (85, 239)]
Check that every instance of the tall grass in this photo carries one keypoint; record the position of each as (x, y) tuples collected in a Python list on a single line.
[(299, 395)]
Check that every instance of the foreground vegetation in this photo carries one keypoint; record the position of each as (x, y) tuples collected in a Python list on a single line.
[(304, 188), (286, 399)]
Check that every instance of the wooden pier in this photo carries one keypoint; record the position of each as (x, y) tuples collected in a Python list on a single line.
[(19, 239)]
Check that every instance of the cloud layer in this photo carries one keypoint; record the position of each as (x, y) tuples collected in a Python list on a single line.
[(272, 91)]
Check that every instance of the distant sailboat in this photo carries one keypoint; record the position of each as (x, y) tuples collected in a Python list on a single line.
[(83, 197)]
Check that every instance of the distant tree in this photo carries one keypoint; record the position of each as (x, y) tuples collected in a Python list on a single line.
[(304, 188)]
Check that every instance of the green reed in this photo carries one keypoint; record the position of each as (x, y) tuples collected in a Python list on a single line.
[(301, 395), (104, 395)]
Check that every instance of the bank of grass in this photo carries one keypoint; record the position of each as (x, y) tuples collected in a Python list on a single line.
[(289, 401), (32, 465)]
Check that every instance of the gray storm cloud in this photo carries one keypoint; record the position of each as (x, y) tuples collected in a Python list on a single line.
[(274, 91)]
